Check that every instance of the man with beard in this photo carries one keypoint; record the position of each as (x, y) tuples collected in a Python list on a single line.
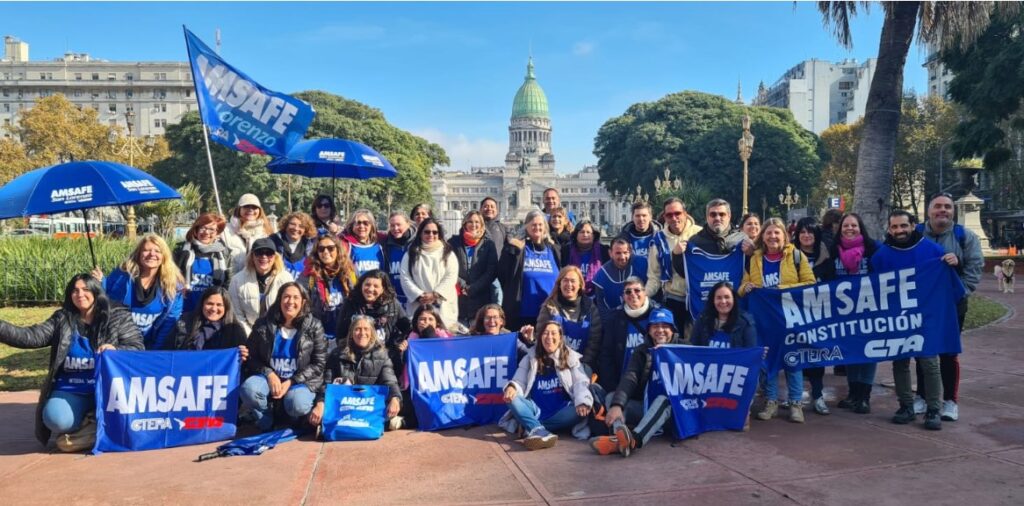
[(717, 237), (963, 251), (609, 280), (906, 247)]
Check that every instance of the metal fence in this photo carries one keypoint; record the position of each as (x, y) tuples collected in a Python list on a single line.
[(34, 282)]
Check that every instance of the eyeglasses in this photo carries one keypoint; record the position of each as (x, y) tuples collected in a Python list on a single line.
[(631, 291), (674, 215), (322, 249), (430, 232), (492, 318), (361, 223), (208, 230), (264, 253)]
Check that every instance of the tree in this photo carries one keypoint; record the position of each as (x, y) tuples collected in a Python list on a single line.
[(944, 23), (694, 135), (926, 125), (168, 213), (841, 142), (13, 160)]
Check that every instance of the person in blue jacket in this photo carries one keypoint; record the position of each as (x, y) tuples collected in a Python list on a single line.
[(150, 286)]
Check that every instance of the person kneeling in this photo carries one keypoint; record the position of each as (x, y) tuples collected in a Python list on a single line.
[(550, 391), (287, 354), (630, 395)]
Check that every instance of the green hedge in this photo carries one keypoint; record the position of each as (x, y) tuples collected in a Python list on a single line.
[(36, 269)]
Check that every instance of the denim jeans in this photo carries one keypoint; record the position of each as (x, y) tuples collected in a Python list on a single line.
[(523, 409), (794, 386), (255, 397), (64, 411)]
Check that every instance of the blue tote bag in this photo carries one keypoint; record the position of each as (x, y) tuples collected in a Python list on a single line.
[(354, 412)]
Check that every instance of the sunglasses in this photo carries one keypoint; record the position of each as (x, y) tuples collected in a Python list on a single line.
[(326, 248), (630, 291), (324, 205), (362, 223), (674, 215), (264, 253), (718, 215), (430, 232)]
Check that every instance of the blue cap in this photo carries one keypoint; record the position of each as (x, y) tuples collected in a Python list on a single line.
[(662, 315)]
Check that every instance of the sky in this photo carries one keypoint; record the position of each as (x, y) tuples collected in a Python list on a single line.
[(449, 71)]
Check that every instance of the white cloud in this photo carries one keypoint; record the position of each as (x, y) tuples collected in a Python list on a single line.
[(465, 152), (583, 48)]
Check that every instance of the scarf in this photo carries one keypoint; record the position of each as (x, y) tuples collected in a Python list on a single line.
[(851, 251), (293, 251), (215, 251), (205, 333), (469, 240), (636, 313), (432, 247)]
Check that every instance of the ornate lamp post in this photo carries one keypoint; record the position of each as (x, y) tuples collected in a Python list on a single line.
[(746, 146), (130, 147), (789, 200)]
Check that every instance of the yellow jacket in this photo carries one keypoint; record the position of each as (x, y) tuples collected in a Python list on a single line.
[(788, 275)]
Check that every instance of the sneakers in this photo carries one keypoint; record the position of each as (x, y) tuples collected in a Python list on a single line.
[(605, 445), (904, 415), (920, 406), (769, 411), (539, 439), (932, 420), (820, 407), (396, 422), (950, 411), (796, 413), (625, 439)]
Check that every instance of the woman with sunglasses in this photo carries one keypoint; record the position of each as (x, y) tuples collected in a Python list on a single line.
[(254, 289), (329, 278), (294, 241), (203, 258), (430, 271), (248, 224), (478, 264), (360, 236), (325, 216)]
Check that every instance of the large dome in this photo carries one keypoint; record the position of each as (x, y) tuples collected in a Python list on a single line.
[(530, 101)]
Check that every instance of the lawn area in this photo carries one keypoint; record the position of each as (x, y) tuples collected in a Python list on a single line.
[(23, 369), (26, 369)]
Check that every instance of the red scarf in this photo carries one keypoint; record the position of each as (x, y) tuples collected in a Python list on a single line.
[(471, 241)]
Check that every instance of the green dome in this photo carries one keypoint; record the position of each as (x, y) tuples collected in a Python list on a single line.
[(530, 101)]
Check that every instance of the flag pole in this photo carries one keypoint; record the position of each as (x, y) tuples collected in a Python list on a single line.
[(206, 133)]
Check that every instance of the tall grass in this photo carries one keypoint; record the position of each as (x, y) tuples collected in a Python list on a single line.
[(36, 269)]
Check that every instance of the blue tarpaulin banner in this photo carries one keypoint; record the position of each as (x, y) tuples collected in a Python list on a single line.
[(704, 270), (460, 381), (147, 400), (710, 388), (856, 319), (354, 412), (240, 113)]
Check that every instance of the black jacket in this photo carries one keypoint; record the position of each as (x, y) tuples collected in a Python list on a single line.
[(827, 271), (714, 243), (588, 310), (510, 274), (614, 345), (312, 351), (119, 331), (389, 320), (638, 373), (496, 232), (742, 335), (230, 335), (477, 279), (371, 367)]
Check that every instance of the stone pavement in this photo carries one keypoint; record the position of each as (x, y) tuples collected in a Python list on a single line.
[(839, 459)]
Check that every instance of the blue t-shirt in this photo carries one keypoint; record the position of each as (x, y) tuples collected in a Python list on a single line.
[(78, 372), (720, 339), (539, 273), (395, 255), (200, 279), (284, 359), (548, 394), (771, 274), (634, 337), (367, 257)]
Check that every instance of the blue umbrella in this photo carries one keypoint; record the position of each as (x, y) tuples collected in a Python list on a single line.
[(333, 158), (252, 445), (77, 186)]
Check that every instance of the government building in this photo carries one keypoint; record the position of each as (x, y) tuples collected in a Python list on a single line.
[(529, 169)]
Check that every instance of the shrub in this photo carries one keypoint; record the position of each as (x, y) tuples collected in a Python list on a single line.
[(36, 269)]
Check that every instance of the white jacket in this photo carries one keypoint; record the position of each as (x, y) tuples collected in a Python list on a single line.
[(239, 241), (574, 380), (432, 273), (244, 291)]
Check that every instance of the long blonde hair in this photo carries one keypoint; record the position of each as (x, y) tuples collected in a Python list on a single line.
[(170, 277)]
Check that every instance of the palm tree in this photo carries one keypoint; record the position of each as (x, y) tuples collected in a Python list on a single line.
[(945, 24)]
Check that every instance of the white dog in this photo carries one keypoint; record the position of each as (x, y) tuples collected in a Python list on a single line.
[(1004, 272)]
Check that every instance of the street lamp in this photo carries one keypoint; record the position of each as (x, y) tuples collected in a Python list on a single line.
[(746, 146), (789, 200), (130, 147)]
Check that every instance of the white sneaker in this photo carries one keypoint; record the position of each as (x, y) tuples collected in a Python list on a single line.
[(396, 422), (950, 411), (820, 407), (920, 406)]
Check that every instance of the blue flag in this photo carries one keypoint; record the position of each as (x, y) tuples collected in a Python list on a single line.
[(710, 388), (147, 400), (240, 113), (354, 412), (460, 381), (856, 319), (704, 270)]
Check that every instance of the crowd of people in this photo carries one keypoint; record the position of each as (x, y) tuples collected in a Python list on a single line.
[(312, 300)]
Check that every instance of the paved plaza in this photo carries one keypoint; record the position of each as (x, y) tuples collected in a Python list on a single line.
[(839, 459)]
